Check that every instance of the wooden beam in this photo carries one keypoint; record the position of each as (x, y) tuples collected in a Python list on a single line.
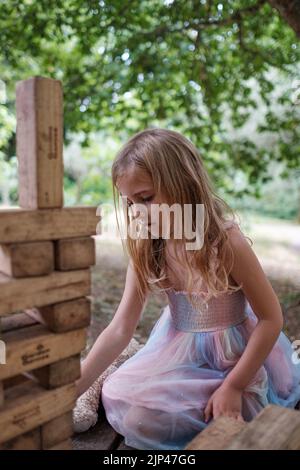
[(27, 259), (19, 294), (28, 406), (39, 110), (274, 428), (34, 347), (19, 225), (57, 430), (16, 321), (31, 440), (74, 253), (65, 445), (217, 435), (13, 381)]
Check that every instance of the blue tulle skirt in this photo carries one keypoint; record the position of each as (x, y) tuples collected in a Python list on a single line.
[(156, 398)]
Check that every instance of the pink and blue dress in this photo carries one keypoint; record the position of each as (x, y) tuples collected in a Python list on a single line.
[(157, 397)]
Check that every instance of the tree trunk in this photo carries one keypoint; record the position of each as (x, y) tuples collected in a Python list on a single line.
[(290, 11)]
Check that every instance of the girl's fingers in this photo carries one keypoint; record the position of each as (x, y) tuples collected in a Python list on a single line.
[(240, 418), (229, 414), (236, 416), (209, 411)]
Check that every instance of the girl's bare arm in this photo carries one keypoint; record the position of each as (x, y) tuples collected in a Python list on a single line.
[(115, 337), (265, 304)]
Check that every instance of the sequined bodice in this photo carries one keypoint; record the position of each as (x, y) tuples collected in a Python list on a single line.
[(218, 313)]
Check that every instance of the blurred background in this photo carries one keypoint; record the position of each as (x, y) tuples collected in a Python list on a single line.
[(225, 74)]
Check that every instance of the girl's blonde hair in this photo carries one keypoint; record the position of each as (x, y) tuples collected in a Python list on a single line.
[(177, 173)]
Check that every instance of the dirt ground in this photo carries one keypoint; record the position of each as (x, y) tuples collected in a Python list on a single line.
[(276, 244)]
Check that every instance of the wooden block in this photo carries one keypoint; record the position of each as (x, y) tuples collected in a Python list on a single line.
[(27, 259), (274, 428), (19, 225), (74, 253), (1, 394), (34, 347), (18, 294), (28, 406), (65, 445), (57, 430), (39, 109), (69, 315), (29, 441), (16, 321), (58, 373), (217, 435), (13, 381)]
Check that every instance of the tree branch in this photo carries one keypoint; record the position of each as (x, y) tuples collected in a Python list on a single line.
[(290, 11), (198, 23)]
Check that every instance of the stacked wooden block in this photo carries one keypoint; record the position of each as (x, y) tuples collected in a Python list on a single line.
[(46, 251), (274, 428)]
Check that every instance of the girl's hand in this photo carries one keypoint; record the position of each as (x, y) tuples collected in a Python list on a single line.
[(225, 401)]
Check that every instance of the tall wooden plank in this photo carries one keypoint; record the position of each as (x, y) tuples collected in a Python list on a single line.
[(39, 108)]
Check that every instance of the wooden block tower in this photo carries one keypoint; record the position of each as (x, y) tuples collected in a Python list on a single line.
[(46, 251)]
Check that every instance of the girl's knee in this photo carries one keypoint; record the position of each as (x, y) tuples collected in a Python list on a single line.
[(143, 421)]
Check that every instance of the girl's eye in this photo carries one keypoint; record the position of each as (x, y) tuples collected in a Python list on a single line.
[(147, 199), (129, 204)]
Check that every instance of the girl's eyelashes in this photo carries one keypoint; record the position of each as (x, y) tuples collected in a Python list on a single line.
[(147, 199)]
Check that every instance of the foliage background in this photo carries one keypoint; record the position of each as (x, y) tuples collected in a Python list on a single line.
[(226, 74)]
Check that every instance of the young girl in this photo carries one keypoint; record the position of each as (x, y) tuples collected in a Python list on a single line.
[(218, 347)]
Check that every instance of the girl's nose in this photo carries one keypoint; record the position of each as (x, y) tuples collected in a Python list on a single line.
[(142, 214)]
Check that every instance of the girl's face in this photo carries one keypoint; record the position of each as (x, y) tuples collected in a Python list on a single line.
[(137, 187)]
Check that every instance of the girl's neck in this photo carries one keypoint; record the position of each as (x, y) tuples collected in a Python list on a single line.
[(175, 271)]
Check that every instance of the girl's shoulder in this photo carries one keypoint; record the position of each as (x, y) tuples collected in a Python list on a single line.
[(227, 224), (234, 232)]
